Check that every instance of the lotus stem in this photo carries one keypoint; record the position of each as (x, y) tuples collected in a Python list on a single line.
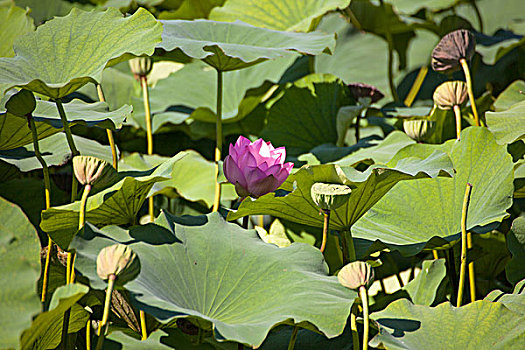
[(471, 274), (326, 225), (357, 120), (245, 221), (260, 219), (463, 265), (451, 272), (47, 193), (464, 65), (70, 142), (105, 315), (81, 222), (143, 328), (65, 330), (457, 114), (435, 254), (293, 338), (414, 90), (352, 18), (218, 147), (111, 140), (478, 14), (391, 67), (149, 135), (363, 294), (353, 326), (88, 334), (348, 248)]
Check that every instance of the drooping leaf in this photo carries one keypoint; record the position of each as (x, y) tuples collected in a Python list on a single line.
[(514, 301), (516, 246), (20, 261), (299, 16), (305, 114), (479, 325), (55, 151), (216, 271), (14, 22), (423, 288), (50, 62), (46, 329), (425, 213), (231, 46), (509, 125), (367, 188)]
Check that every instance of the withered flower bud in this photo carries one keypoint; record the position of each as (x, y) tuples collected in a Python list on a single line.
[(450, 94), (118, 260), (356, 274), (329, 196), (419, 129), (362, 92), (141, 66), (21, 104), (91, 170), (451, 49)]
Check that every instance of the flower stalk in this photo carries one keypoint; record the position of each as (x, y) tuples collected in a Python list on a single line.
[(70, 142), (293, 338), (326, 224), (149, 135), (457, 114), (462, 269), (464, 65), (363, 294), (471, 274), (218, 147), (111, 139), (353, 325)]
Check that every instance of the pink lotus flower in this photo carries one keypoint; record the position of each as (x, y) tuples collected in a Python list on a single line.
[(256, 168)]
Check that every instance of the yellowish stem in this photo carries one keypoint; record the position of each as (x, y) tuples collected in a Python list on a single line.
[(88, 335), (471, 275), (218, 147), (363, 294), (353, 326), (457, 114), (70, 142), (149, 134), (111, 140), (435, 254), (463, 265), (107, 307), (464, 65), (143, 328), (416, 86), (326, 214)]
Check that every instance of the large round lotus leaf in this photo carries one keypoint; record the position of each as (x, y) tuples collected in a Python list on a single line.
[(509, 125), (510, 96), (367, 188), (414, 212), (205, 267), (304, 115), (14, 22), (55, 151), (292, 15), (50, 62), (20, 261), (231, 46), (43, 10), (479, 325)]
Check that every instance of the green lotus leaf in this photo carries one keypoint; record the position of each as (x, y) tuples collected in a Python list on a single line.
[(479, 325), (14, 22), (510, 96), (304, 115), (411, 7), (218, 272), (46, 330), (43, 10), (189, 9), (368, 188), (231, 46), (427, 213), (15, 132), (516, 246), (423, 288), (514, 301), (285, 15), (192, 176), (48, 62), (20, 261), (116, 205), (509, 125), (55, 151)]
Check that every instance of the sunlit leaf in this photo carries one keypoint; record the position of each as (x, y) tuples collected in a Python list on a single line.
[(14, 22)]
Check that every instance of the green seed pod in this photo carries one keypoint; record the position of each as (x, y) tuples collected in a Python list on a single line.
[(91, 170), (329, 196), (356, 274), (450, 93), (141, 66), (118, 260), (419, 129), (21, 104)]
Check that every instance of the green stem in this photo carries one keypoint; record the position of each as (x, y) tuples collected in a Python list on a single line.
[(218, 147), (353, 325), (326, 225), (107, 307), (149, 134), (83, 203), (293, 338), (471, 274), (70, 142), (391, 67), (65, 329), (111, 139), (463, 265), (47, 194), (414, 90), (363, 294), (143, 328), (348, 248), (464, 65), (457, 114), (357, 120)]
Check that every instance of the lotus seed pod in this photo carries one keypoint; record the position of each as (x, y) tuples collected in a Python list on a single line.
[(450, 93), (141, 66), (21, 104), (91, 170), (451, 49), (356, 274), (329, 196), (118, 260), (362, 91), (419, 129)]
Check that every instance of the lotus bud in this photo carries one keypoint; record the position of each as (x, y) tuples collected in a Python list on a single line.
[(450, 94), (90, 170), (451, 49), (329, 196), (118, 260), (356, 274), (141, 66), (365, 94), (419, 129), (21, 104)]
